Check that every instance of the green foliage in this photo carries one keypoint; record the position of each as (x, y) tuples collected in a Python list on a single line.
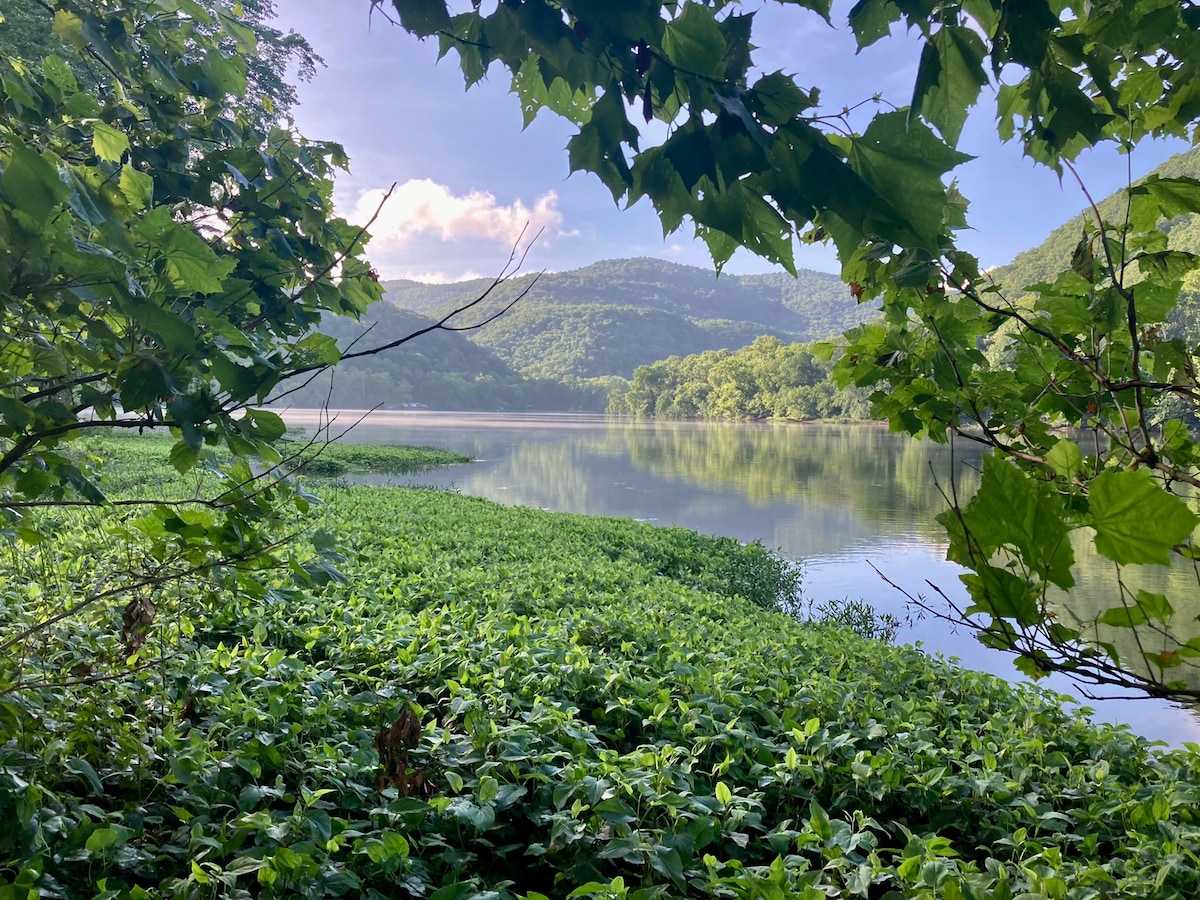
[(752, 161), (165, 251), (854, 615), (27, 33), (766, 380), (596, 708), (613, 316), (342, 459)]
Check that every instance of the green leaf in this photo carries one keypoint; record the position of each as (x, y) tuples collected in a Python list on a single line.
[(183, 457), (1012, 509), (777, 99), (192, 265), (724, 795), (142, 381), (322, 346), (694, 42), (905, 163), (423, 17), (1002, 594), (101, 839), (1066, 459), (949, 79), (871, 20), (597, 148), (138, 187), (1136, 521), (84, 768), (32, 184), (110, 143)]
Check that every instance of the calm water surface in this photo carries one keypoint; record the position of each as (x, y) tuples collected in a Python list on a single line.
[(841, 500)]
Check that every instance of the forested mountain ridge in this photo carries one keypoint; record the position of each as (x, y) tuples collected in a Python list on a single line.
[(442, 369), (612, 316), (1053, 255)]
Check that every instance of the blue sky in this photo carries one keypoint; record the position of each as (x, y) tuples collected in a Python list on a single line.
[(469, 178)]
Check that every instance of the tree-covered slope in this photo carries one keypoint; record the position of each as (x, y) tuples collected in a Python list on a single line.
[(442, 369), (552, 340), (1053, 255), (614, 315)]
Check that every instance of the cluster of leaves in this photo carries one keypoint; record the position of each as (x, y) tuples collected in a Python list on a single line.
[(166, 250), (162, 256), (594, 708), (752, 161), (766, 380)]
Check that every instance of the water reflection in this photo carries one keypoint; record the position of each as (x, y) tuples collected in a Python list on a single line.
[(838, 499)]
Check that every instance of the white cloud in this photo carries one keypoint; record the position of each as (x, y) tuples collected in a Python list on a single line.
[(424, 207), (434, 277)]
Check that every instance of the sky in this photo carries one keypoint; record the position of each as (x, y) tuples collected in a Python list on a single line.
[(471, 181)]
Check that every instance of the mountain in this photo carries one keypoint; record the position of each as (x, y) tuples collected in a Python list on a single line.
[(613, 316), (1053, 256), (442, 370)]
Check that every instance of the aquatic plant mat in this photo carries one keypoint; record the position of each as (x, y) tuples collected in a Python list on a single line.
[(507, 703)]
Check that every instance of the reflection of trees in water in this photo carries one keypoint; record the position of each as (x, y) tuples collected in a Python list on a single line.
[(862, 467), (546, 473)]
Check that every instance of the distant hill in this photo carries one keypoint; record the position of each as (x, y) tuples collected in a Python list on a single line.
[(440, 370), (1053, 256), (613, 316)]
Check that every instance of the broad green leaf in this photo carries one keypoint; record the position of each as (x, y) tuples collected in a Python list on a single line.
[(597, 148), (777, 99), (423, 17), (1012, 509), (110, 143), (101, 839), (32, 184), (1066, 459), (871, 20), (905, 163), (1136, 521), (694, 42), (192, 265), (138, 187), (183, 457), (85, 769), (142, 382), (322, 346), (949, 79), (723, 793), (69, 28)]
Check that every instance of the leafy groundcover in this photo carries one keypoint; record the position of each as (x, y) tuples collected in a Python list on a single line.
[(508, 703)]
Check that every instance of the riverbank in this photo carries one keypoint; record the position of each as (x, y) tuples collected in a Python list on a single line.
[(503, 699)]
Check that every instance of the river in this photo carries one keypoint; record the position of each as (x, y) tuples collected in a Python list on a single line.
[(841, 500)]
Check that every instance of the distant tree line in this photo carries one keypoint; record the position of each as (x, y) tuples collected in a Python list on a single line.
[(769, 379)]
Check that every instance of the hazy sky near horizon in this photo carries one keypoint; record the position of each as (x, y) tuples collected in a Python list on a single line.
[(469, 179)]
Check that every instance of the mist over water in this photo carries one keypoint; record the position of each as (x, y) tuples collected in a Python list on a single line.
[(840, 500)]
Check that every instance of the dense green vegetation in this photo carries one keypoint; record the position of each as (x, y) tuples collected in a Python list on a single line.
[(613, 316), (766, 380), (495, 699), (749, 159), (441, 370)]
